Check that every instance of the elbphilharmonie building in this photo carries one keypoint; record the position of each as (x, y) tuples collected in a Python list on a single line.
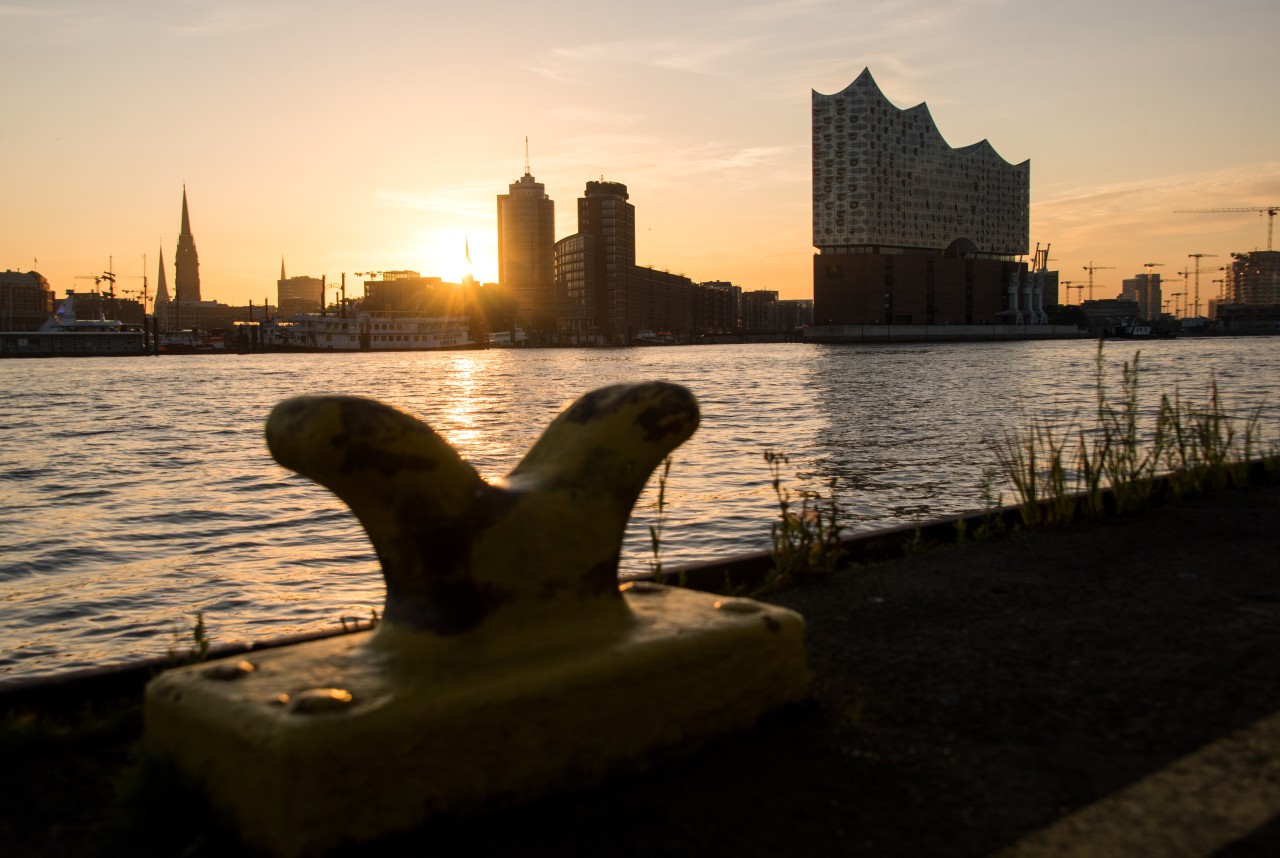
[(908, 229)]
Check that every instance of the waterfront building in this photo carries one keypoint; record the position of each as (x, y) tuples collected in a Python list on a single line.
[(661, 302), (593, 269), (602, 296), (908, 229), (606, 216), (576, 287), (717, 307), (298, 294), (404, 291), (26, 300), (1144, 289), (795, 313), (760, 311), (1107, 314), (1253, 278), (526, 248)]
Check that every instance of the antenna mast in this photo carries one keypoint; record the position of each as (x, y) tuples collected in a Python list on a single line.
[(526, 154)]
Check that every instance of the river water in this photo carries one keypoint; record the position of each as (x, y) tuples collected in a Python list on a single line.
[(135, 492)]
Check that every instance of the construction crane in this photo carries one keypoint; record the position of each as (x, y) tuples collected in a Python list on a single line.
[(1092, 268), (1269, 210), (1068, 285), (1164, 283), (110, 277), (1197, 257), (107, 276)]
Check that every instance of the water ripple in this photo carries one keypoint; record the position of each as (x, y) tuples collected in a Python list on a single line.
[(125, 509)]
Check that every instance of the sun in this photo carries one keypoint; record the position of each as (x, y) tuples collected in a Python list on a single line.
[(454, 254)]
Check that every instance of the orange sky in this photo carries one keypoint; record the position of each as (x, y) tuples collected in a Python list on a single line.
[(376, 137)]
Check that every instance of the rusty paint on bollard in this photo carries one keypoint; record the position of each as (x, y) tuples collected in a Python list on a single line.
[(509, 663)]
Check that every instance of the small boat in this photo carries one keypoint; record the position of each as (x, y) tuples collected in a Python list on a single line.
[(509, 339), (191, 342), (655, 338), (1134, 329)]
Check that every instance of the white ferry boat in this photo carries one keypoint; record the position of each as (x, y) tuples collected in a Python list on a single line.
[(371, 331)]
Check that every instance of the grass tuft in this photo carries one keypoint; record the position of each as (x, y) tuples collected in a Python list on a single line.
[(1116, 464), (806, 536)]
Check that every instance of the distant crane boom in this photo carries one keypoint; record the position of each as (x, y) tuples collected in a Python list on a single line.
[(1092, 268), (1270, 212)]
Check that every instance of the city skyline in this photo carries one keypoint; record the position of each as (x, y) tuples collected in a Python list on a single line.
[(355, 140)]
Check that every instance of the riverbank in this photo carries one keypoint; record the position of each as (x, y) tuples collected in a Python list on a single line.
[(940, 333), (964, 698)]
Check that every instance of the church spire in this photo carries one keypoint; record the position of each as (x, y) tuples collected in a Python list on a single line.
[(162, 283), (186, 263), (186, 218)]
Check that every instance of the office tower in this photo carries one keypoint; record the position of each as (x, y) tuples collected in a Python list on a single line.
[(610, 222), (1145, 290), (526, 246)]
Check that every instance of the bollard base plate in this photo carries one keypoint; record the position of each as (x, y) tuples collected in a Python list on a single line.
[(312, 747)]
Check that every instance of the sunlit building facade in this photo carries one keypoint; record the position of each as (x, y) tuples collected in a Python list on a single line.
[(526, 253), (908, 229)]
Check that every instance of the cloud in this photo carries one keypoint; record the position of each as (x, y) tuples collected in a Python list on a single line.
[(1126, 224), (692, 52), (457, 202), (594, 118), (780, 10), (42, 12), (211, 18), (653, 162), (1230, 187)]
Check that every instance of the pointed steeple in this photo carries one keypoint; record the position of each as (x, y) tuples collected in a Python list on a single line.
[(282, 277), (162, 283), (186, 263), (186, 218)]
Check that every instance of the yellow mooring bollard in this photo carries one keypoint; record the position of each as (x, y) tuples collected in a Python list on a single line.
[(509, 662)]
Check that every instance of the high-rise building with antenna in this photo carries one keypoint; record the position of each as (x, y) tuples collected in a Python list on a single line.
[(526, 244)]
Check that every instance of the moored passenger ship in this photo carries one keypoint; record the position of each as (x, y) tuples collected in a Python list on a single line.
[(65, 335), (371, 331)]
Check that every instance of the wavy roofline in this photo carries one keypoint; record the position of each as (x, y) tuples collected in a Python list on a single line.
[(866, 83)]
